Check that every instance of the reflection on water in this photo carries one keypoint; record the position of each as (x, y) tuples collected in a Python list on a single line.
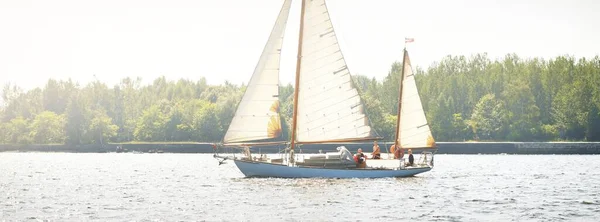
[(59, 186)]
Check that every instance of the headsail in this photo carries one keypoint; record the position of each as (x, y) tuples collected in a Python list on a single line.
[(414, 130), (257, 115), (329, 108)]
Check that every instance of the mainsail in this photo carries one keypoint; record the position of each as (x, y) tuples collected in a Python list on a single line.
[(329, 108), (414, 131), (257, 116)]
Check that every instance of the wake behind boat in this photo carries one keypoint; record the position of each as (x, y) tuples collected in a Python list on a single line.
[(327, 109)]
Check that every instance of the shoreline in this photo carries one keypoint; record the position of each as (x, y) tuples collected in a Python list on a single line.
[(442, 148)]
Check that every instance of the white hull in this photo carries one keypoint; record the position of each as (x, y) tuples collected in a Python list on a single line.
[(261, 169)]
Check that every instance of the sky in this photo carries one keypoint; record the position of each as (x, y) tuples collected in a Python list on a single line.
[(222, 40)]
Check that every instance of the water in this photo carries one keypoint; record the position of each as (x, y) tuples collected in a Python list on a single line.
[(183, 187)]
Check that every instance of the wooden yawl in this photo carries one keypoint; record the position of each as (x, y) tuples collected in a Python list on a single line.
[(327, 109)]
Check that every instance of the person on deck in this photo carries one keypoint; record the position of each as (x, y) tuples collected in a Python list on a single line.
[(376, 151), (398, 153), (411, 158), (360, 159)]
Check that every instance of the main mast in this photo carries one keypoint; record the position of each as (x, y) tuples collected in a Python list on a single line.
[(397, 139), (297, 88)]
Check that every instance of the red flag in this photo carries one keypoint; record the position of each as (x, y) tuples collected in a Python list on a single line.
[(407, 40)]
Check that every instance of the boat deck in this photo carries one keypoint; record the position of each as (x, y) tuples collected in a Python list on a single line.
[(332, 161)]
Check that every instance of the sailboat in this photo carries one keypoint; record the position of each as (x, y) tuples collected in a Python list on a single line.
[(327, 109)]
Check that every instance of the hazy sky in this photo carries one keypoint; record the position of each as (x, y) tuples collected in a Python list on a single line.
[(222, 39)]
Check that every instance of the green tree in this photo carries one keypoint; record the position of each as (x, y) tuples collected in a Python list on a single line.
[(101, 128), (571, 110), (4, 133), (532, 99), (488, 119), (47, 127), (18, 131), (151, 125), (206, 123), (388, 93), (523, 114), (75, 122), (460, 128)]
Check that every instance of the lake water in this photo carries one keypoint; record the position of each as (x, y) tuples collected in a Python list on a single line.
[(184, 187)]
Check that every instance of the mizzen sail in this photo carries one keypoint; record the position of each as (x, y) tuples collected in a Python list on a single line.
[(329, 107), (257, 116), (414, 130)]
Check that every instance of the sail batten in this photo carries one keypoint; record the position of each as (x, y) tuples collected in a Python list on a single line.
[(330, 108), (257, 116)]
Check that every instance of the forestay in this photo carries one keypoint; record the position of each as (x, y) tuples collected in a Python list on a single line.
[(257, 115), (414, 130), (329, 106)]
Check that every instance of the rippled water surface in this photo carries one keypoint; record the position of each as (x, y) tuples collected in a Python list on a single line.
[(183, 187)]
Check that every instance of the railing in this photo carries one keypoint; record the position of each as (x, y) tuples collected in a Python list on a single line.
[(426, 159)]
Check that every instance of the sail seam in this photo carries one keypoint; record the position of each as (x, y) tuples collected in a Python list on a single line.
[(342, 117)]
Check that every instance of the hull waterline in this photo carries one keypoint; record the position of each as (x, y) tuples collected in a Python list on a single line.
[(259, 169)]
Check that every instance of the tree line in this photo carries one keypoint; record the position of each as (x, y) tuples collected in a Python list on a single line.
[(464, 98)]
